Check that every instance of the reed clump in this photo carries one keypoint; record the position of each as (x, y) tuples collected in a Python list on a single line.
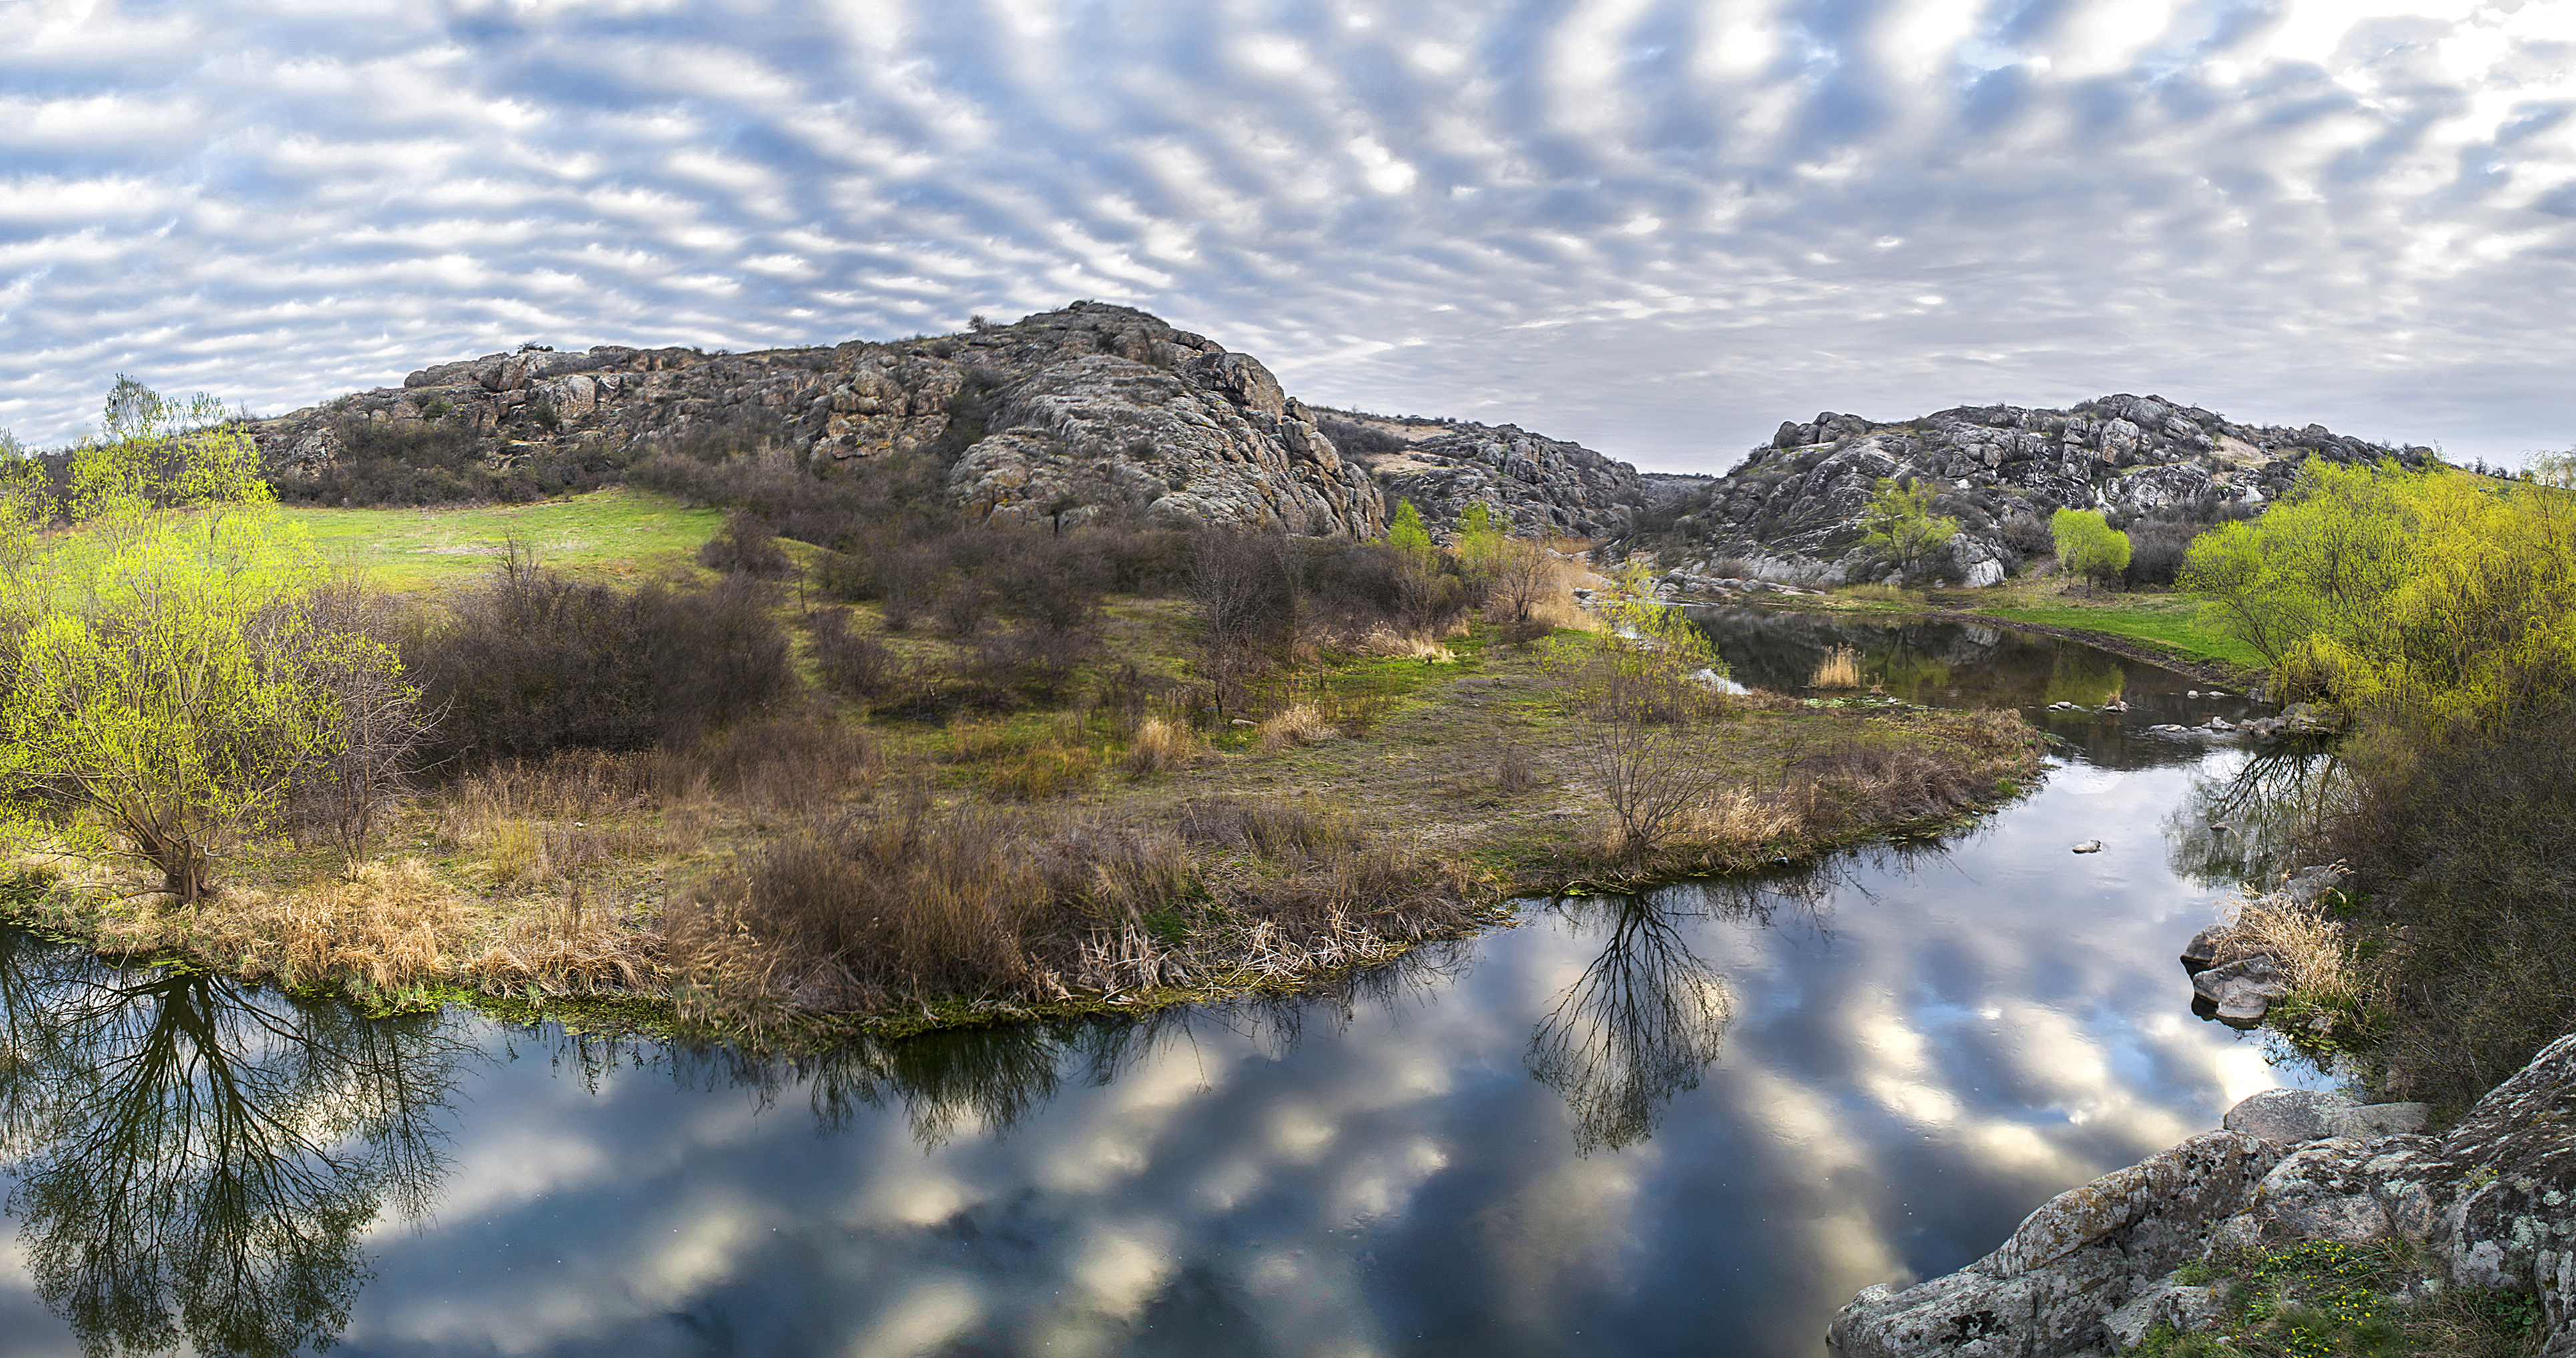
[(1161, 745), (1295, 726), (1840, 669)]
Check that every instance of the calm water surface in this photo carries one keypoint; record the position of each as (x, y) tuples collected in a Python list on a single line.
[(1693, 1123)]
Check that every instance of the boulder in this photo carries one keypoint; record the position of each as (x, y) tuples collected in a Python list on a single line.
[(2490, 1204)]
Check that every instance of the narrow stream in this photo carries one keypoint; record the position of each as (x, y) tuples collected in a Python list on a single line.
[(1693, 1123)]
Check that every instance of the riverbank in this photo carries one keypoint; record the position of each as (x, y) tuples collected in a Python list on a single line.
[(2159, 628), (1043, 863)]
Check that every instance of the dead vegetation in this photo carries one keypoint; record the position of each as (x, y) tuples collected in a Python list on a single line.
[(897, 813)]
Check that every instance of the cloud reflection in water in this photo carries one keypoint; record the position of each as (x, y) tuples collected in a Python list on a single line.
[(1918, 1050)]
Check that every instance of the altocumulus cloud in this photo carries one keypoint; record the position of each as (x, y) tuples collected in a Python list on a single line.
[(1657, 226)]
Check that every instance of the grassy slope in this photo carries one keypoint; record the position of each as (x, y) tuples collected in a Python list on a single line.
[(619, 533), (1422, 763)]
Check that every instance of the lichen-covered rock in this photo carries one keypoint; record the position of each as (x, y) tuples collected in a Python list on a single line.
[(1793, 508), (2070, 1265), (2286, 1116), (2321, 1191), (2517, 1155), (2491, 1204), (1060, 415)]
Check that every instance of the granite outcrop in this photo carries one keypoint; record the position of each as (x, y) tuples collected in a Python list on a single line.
[(1058, 416), (1538, 486), (2488, 1204), (1792, 511)]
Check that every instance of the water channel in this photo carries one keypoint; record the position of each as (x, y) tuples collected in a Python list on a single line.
[(1693, 1123)]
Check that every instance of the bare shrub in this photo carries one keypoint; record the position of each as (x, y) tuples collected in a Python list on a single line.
[(535, 663), (2459, 854), (909, 905), (1513, 771), (746, 545), (851, 663), (1880, 784), (381, 727), (1244, 592)]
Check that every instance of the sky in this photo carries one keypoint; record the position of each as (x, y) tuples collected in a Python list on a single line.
[(1659, 227)]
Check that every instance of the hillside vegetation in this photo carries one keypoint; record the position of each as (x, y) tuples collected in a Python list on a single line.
[(920, 766)]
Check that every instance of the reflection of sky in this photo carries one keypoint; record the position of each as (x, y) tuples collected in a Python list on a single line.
[(1910, 1068)]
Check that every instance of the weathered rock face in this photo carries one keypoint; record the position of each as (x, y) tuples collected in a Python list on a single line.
[(1535, 484), (1065, 413), (1791, 512), (2491, 1204)]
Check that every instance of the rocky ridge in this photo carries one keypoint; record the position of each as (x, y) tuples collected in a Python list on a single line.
[(1539, 485), (2489, 1204), (1058, 416), (1791, 512)]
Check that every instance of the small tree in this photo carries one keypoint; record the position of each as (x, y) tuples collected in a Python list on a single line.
[(1900, 527), (163, 687), (2088, 545), (1404, 529)]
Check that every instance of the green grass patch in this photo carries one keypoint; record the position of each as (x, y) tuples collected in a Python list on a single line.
[(2171, 621), (617, 533)]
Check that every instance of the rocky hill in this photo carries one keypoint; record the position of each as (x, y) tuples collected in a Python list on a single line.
[(1537, 484), (1064, 413), (1791, 512)]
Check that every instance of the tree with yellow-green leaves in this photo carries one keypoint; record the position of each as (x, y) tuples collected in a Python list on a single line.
[(1404, 531), (1900, 528), (2439, 601), (167, 679), (2087, 545)]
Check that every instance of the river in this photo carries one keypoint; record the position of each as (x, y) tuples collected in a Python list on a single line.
[(1692, 1123)]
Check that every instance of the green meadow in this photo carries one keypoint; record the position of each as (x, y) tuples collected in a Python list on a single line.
[(619, 533)]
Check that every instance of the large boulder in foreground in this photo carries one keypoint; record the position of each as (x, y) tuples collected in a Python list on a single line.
[(2490, 1204)]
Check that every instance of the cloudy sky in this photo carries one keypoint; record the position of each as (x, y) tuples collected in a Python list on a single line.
[(1658, 226)]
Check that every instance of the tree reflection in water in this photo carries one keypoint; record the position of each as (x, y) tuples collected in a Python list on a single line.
[(2240, 826), (195, 1161), (1636, 1028), (1648, 1014)]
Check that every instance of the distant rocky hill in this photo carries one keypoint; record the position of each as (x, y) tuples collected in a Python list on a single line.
[(1791, 512), (1061, 414), (1537, 484)]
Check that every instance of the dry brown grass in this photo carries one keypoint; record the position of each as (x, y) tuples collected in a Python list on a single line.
[(579, 938), (1297, 725), (1840, 669), (2309, 947), (1162, 746), (392, 923), (1387, 641), (1737, 819)]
